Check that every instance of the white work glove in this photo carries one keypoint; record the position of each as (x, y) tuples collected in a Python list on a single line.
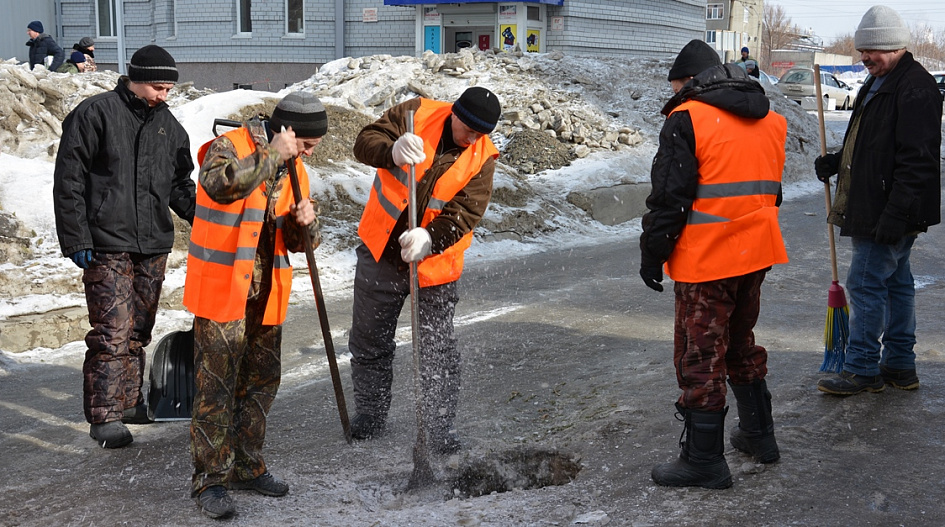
[(408, 150), (415, 244)]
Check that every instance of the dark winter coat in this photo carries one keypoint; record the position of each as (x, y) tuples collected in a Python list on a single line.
[(43, 46), (896, 165), (121, 165), (675, 170)]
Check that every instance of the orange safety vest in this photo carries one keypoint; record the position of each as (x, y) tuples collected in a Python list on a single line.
[(389, 195), (732, 229), (223, 244)]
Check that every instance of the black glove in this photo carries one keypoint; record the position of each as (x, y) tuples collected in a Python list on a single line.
[(82, 258), (652, 276), (889, 230), (826, 166)]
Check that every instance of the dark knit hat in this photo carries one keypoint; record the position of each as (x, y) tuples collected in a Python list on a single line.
[(479, 109), (745, 50), (77, 57), (36, 26), (86, 42), (152, 65), (303, 112), (882, 29), (695, 57)]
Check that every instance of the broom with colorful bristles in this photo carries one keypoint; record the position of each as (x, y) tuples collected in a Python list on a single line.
[(837, 326)]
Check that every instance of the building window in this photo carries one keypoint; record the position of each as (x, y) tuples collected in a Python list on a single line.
[(533, 13), (710, 37), (106, 18), (244, 22), (171, 19), (295, 16), (747, 15), (713, 12)]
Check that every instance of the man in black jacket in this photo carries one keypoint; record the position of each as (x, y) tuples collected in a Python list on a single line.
[(888, 191), (42, 45), (123, 162)]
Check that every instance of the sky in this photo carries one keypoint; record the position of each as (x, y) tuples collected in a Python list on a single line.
[(832, 18)]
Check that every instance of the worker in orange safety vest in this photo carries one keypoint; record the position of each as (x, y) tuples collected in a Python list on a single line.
[(713, 222), (237, 286), (455, 162)]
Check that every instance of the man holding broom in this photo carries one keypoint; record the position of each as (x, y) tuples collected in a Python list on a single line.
[(455, 163), (888, 191), (715, 226)]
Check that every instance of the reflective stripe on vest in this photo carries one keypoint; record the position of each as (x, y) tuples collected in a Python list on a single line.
[(732, 228), (223, 246), (389, 193)]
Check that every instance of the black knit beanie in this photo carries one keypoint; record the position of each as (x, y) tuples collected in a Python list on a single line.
[(36, 26), (303, 112), (479, 109), (695, 57), (152, 65)]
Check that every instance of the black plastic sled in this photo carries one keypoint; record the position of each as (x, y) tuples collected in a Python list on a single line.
[(171, 396)]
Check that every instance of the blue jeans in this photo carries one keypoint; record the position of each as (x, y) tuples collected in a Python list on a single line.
[(882, 305)]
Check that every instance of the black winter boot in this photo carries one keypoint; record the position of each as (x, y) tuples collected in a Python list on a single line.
[(365, 426), (701, 461), (754, 434)]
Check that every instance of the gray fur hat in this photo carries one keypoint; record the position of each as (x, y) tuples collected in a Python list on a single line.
[(882, 29)]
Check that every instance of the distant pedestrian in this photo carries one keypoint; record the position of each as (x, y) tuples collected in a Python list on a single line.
[(713, 222), (237, 286), (746, 55), (123, 164), (87, 46), (41, 46), (751, 67), (888, 191), (75, 64), (455, 163)]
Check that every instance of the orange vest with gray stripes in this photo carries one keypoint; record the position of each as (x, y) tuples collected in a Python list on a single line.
[(223, 244), (389, 195), (732, 228)]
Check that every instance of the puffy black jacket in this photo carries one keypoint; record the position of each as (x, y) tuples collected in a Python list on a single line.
[(43, 46), (896, 164), (121, 165), (675, 171)]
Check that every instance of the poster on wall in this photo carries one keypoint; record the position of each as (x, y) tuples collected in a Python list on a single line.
[(531, 40), (431, 17), (507, 31), (507, 13)]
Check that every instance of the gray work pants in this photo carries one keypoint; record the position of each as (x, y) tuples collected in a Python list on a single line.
[(380, 290)]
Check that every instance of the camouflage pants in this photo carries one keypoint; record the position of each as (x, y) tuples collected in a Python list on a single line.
[(122, 292), (238, 371), (715, 339)]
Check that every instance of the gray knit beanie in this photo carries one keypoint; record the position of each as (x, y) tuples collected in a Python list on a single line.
[(882, 29), (303, 112)]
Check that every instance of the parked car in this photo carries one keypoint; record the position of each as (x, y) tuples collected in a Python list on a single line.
[(940, 79), (798, 83)]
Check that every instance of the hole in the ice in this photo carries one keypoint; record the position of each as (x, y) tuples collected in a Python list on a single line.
[(517, 469)]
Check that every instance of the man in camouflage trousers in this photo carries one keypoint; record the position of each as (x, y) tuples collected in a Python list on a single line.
[(714, 224), (237, 286), (123, 164)]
